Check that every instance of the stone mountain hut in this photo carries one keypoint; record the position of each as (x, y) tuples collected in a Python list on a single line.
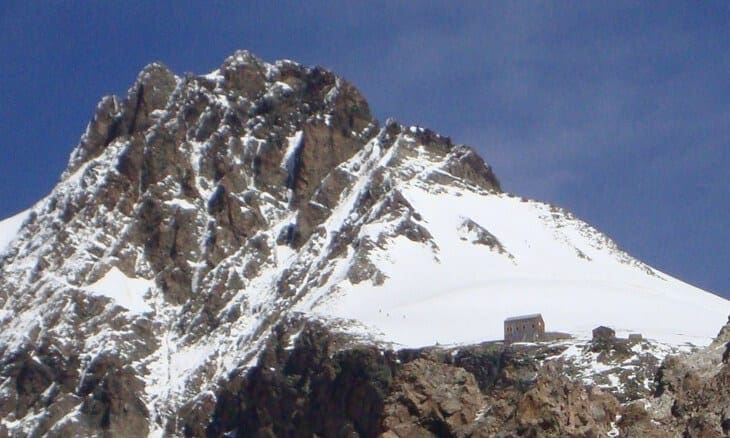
[(604, 333), (525, 328)]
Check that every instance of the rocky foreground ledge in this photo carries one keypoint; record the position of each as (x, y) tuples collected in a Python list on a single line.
[(311, 381)]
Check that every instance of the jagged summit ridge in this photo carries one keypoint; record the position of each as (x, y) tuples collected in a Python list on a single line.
[(191, 132), (198, 212)]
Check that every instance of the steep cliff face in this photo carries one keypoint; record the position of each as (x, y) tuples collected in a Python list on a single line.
[(250, 251)]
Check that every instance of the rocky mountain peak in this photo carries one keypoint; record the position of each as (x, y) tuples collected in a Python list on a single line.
[(115, 117), (256, 231), (203, 154), (200, 207)]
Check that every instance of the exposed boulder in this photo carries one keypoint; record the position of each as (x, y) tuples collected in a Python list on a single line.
[(478, 235), (466, 164)]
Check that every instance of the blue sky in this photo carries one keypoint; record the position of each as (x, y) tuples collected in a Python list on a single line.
[(617, 111)]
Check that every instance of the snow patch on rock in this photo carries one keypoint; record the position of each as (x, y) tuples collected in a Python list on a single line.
[(9, 229), (126, 292)]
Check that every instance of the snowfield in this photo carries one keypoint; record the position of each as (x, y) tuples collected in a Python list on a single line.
[(461, 292)]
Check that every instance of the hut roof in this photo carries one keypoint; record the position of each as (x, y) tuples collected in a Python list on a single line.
[(521, 317)]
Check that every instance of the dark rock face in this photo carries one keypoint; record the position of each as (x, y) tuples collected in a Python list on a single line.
[(558, 407), (432, 399), (466, 164), (311, 389), (32, 377), (319, 384), (700, 399), (111, 400), (114, 119), (476, 234), (106, 393)]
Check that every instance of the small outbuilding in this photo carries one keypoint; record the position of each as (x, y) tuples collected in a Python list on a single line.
[(635, 338), (524, 328)]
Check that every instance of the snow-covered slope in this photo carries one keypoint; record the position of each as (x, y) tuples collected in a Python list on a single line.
[(491, 256), (199, 212), (460, 292)]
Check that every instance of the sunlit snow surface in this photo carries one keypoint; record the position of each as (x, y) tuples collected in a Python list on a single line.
[(9, 229), (126, 292), (562, 268)]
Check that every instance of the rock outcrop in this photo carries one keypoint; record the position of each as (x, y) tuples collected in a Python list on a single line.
[(432, 399), (311, 381), (691, 397)]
